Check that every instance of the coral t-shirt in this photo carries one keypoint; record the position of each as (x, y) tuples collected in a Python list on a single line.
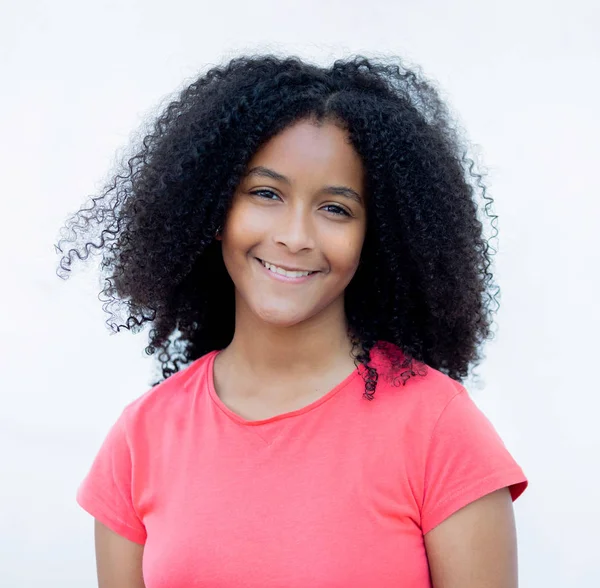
[(338, 493)]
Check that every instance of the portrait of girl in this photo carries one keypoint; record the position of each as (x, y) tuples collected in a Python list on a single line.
[(307, 246)]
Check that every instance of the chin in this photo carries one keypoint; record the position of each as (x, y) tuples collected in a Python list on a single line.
[(282, 318)]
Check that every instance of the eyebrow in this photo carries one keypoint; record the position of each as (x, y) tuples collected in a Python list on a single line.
[(266, 172)]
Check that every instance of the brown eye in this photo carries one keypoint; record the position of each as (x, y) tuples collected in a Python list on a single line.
[(266, 194), (337, 210)]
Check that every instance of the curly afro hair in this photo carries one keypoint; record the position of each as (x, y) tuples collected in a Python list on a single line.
[(423, 284)]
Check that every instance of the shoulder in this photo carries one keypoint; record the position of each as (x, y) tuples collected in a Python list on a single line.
[(409, 403), (421, 391), (452, 453), (170, 397)]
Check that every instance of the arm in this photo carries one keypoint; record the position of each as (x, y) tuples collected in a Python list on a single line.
[(476, 547), (118, 560)]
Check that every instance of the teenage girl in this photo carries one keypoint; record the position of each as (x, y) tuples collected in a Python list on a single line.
[(307, 246)]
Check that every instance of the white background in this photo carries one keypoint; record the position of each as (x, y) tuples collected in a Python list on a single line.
[(77, 78)]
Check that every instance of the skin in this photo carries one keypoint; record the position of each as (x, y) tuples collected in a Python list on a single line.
[(118, 560), (291, 345), (476, 547)]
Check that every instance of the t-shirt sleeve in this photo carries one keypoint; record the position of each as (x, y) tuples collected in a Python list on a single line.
[(106, 491), (466, 460)]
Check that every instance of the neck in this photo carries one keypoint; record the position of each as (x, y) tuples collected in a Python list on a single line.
[(275, 352)]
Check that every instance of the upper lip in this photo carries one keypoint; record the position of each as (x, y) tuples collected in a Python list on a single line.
[(285, 267)]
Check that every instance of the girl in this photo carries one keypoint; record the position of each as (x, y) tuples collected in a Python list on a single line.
[(305, 243)]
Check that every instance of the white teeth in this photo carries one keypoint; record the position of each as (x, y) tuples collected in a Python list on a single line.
[(282, 272)]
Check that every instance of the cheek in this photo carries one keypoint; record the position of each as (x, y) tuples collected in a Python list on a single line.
[(344, 251), (246, 224), (240, 232)]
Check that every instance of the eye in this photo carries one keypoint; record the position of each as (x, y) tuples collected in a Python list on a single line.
[(265, 194), (336, 210)]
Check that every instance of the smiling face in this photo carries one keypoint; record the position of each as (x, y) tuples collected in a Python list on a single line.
[(294, 233)]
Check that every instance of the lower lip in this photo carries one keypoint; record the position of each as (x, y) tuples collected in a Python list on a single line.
[(286, 279)]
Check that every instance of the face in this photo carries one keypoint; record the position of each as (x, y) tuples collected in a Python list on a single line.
[(294, 233)]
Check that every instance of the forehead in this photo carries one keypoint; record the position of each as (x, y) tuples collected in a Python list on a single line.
[(307, 152)]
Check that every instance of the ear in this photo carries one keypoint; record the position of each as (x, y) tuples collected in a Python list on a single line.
[(218, 234)]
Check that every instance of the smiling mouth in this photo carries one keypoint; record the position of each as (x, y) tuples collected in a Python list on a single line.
[(288, 273)]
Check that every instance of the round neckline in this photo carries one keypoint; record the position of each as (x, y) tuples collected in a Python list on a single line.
[(242, 421)]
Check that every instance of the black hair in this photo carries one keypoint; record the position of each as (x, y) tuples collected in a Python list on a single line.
[(424, 282)]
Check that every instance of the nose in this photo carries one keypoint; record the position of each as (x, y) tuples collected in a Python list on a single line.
[(295, 230)]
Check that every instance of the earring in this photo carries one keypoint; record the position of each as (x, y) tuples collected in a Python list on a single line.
[(218, 232)]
